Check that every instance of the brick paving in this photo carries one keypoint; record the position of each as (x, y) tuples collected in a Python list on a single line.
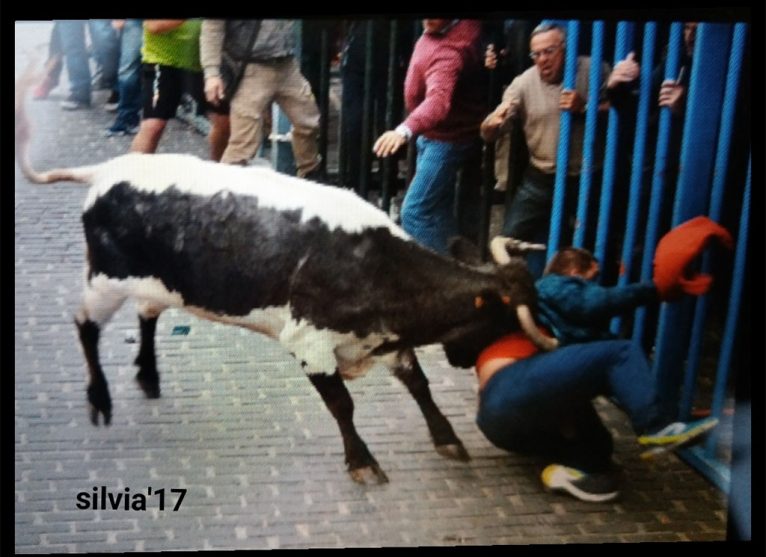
[(243, 431)]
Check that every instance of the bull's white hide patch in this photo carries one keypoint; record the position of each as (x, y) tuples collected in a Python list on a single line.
[(336, 207)]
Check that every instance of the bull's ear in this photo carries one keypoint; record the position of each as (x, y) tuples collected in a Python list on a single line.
[(464, 251)]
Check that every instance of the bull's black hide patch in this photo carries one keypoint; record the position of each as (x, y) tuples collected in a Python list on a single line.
[(227, 254)]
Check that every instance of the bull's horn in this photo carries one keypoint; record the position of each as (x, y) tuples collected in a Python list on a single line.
[(501, 248), (542, 341), (498, 251)]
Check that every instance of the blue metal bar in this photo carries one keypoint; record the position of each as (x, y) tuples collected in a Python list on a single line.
[(716, 472), (562, 154), (623, 46), (672, 64), (732, 317), (589, 140), (639, 154), (702, 118), (716, 205)]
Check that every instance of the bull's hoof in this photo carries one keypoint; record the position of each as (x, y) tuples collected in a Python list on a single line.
[(369, 475), (151, 387), (94, 412), (100, 402), (454, 451)]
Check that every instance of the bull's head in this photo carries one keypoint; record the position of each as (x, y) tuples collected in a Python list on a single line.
[(502, 310)]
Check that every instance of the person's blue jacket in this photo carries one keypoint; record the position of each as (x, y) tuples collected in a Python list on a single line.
[(579, 310)]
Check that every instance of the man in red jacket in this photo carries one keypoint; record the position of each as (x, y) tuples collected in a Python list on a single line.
[(445, 96)]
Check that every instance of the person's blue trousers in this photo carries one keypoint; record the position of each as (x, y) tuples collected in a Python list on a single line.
[(129, 74), (542, 405), (71, 32), (428, 210)]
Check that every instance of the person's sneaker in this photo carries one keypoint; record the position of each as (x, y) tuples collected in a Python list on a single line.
[(594, 488), (112, 102), (72, 104), (674, 436), (116, 131), (678, 432)]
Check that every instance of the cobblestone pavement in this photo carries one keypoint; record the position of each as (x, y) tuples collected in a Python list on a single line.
[(243, 431)]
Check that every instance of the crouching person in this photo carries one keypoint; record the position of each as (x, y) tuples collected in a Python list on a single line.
[(541, 403)]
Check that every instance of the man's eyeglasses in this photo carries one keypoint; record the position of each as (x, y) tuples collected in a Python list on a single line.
[(535, 54)]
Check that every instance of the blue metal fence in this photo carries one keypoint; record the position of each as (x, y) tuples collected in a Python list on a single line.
[(706, 180)]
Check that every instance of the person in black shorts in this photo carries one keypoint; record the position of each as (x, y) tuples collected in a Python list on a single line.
[(163, 86)]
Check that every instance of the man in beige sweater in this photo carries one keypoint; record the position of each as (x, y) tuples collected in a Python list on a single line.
[(535, 100)]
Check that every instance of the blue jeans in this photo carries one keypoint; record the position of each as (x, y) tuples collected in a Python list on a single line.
[(428, 209), (129, 75), (106, 50), (71, 32), (542, 405)]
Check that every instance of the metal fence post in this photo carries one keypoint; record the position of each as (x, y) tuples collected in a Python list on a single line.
[(639, 155), (624, 42), (702, 119), (716, 207), (672, 64), (562, 154), (390, 164), (589, 139)]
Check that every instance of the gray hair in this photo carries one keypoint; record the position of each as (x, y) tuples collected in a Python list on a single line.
[(545, 27)]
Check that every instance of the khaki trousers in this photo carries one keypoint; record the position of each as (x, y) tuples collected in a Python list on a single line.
[(263, 83)]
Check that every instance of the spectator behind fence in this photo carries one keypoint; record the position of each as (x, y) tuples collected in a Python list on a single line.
[(445, 93), (535, 99), (623, 83), (130, 34), (623, 94), (264, 51), (541, 404), (171, 66), (511, 60)]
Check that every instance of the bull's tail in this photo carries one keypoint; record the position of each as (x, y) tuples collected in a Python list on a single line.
[(23, 135)]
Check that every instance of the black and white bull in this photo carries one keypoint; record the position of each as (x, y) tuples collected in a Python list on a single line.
[(315, 267)]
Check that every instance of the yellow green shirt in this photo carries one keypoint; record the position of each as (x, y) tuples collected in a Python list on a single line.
[(178, 47)]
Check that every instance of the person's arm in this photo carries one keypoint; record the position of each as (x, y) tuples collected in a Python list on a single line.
[(581, 301), (572, 101), (210, 50), (162, 25), (440, 80), (499, 119), (624, 72)]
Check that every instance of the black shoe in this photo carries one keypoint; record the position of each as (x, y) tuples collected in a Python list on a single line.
[(112, 102), (595, 488)]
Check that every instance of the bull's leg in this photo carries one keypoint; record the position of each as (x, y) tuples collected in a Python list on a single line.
[(98, 306), (361, 464), (409, 372), (148, 377)]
